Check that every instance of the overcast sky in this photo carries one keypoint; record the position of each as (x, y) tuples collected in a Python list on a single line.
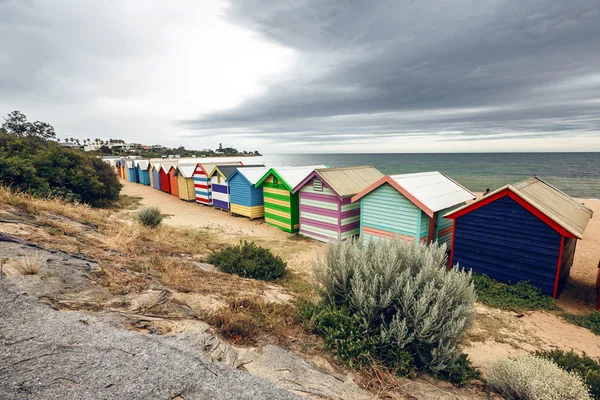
[(309, 76)]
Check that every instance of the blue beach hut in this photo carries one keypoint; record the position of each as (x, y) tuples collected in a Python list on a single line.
[(411, 207), (131, 171), (155, 170), (219, 185), (245, 198), (143, 173), (522, 232)]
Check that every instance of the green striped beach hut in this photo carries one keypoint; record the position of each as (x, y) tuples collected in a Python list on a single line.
[(282, 206)]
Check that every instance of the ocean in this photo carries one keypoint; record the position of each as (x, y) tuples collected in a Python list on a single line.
[(577, 174)]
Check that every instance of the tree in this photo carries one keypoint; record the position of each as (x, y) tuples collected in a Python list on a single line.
[(16, 123)]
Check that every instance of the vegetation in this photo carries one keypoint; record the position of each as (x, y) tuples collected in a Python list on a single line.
[(396, 304), (590, 321), (150, 217), (30, 263), (587, 367), (249, 261), (518, 297), (31, 163), (534, 378)]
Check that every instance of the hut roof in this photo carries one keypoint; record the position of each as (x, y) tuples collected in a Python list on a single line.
[(291, 176), (129, 163), (208, 167), (167, 167), (187, 171), (430, 191), (226, 170), (345, 181), (143, 164), (252, 174), (560, 208)]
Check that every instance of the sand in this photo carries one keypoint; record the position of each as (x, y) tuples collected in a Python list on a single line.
[(496, 334)]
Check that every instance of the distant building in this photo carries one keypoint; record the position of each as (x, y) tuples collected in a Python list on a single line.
[(70, 145)]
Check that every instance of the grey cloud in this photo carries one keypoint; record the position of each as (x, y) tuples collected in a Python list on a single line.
[(376, 67)]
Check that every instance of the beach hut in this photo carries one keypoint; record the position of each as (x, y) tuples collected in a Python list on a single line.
[(527, 231), (119, 169), (173, 180), (411, 207), (165, 181), (202, 182), (219, 185), (185, 182), (282, 208), (245, 198), (155, 173), (131, 170), (142, 171), (326, 210)]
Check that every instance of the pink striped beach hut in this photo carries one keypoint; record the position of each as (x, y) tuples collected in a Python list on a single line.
[(326, 210)]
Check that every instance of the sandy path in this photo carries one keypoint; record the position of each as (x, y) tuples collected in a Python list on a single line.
[(297, 252)]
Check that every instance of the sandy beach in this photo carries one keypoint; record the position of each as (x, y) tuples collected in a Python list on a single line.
[(579, 294)]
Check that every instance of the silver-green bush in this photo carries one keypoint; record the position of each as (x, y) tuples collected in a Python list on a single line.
[(404, 294), (150, 216), (533, 378)]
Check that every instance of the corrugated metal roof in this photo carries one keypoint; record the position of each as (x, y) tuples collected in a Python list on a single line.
[(434, 189), (142, 163), (294, 175), (253, 174), (567, 212), (348, 181), (187, 171), (227, 170), (210, 166)]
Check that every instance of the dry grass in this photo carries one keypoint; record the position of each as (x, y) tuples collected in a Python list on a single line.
[(30, 262)]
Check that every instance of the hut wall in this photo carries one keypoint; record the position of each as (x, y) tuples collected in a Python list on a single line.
[(202, 187), (443, 227), (185, 186), (245, 199), (220, 192), (319, 212), (281, 207), (156, 179), (566, 262), (165, 181), (131, 174), (144, 177), (151, 177), (507, 242), (173, 182), (350, 219), (385, 212)]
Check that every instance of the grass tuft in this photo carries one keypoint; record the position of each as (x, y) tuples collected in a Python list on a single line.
[(518, 297), (150, 217), (30, 263), (249, 261)]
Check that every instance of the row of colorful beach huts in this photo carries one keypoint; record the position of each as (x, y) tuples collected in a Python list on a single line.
[(527, 231)]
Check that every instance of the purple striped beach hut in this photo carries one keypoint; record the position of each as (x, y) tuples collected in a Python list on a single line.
[(326, 211)]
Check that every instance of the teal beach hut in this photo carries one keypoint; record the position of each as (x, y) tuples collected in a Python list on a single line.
[(143, 172), (411, 207), (131, 171)]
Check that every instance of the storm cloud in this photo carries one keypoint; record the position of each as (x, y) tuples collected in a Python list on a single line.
[(309, 75), (455, 70)]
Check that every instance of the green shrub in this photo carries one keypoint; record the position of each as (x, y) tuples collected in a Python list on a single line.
[(590, 321), (587, 367), (249, 261), (150, 217), (518, 297), (44, 169), (403, 300), (534, 378)]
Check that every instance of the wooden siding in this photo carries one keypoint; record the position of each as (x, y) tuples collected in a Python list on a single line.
[(244, 198), (173, 183), (185, 186), (156, 179), (443, 227), (281, 206), (319, 212), (220, 192), (349, 219), (151, 176), (165, 182), (202, 187), (131, 174), (423, 226), (566, 262), (507, 242), (144, 176), (385, 212)]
